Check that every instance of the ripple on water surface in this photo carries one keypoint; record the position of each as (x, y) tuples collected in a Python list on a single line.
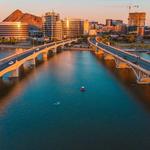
[(46, 109)]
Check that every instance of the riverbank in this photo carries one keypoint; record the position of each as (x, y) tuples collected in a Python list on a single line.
[(2, 46), (138, 50), (137, 46)]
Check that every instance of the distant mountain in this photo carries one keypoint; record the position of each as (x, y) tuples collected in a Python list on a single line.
[(19, 16)]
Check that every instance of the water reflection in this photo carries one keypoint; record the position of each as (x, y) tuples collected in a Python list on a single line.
[(14, 87), (11, 88), (60, 71), (128, 80), (41, 105)]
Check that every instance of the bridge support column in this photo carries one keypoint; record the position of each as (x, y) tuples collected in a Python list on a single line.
[(96, 49), (15, 73), (30, 63), (1, 80), (55, 50), (93, 48), (142, 78), (62, 47), (108, 57), (121, 64), (45, 56), (33, 61), (99, 52)]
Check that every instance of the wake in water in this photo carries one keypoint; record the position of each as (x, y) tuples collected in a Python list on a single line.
[(56, 103)]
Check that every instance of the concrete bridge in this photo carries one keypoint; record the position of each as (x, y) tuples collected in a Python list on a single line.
[(123, 59), (13, 63)]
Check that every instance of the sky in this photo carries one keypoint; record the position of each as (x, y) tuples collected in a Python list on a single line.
[(97, 10)]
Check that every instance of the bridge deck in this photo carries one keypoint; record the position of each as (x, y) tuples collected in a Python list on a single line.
[(129, 58), (11, 60)]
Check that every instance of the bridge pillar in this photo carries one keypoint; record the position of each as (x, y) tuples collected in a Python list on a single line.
[(45, 56), (108, 57), (62, 47), (145, 80), (90, 46), (33, 61), (96, 49), (1, 80), (15, 73), (142, 78), (99, 52), (55, 50), (93, 48), (121, 64), (30, 63)]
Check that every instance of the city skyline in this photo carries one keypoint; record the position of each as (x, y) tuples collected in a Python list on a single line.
[(74, 75), (95, 10)]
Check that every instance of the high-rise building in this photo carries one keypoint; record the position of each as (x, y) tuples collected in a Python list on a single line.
[(49, 24), (117, 22), (114, 25), (58, 33), (109, 22), (86, 27), (15, 30), (137, 20), (73, 28), (94, 25)]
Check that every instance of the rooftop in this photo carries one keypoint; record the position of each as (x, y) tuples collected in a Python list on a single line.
[(13, 23)]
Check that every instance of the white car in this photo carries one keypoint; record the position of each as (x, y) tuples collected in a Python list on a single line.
[(11, 62), (37, 49)]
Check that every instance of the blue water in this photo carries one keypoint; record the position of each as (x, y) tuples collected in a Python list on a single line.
[(47, 111)]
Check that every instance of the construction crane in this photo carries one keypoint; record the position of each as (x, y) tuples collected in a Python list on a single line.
[(133, 6), (129, 6)]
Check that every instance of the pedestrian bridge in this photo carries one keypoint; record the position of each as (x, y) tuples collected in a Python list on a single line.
[(140, 66), (13, 63)]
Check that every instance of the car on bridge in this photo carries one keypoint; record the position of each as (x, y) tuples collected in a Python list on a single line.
[(11, 62)]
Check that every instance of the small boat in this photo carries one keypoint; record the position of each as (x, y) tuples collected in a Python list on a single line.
[(82, 89), (57, 103)]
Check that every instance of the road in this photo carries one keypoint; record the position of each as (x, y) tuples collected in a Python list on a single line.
[(134, 59)]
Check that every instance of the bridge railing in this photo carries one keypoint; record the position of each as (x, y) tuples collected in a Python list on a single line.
[(37, 48), (136, 60), (8, 61)]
